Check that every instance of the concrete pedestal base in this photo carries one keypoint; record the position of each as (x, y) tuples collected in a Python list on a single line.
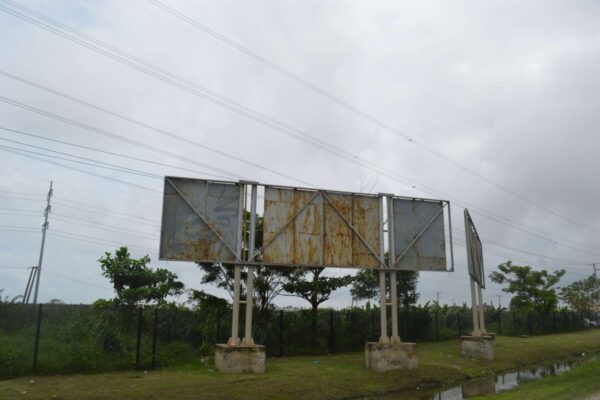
[(239, 359), (477, 347), (383, 357)]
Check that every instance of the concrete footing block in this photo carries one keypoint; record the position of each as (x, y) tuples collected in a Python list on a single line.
[(240, 359), (383, 357), (481, 347)]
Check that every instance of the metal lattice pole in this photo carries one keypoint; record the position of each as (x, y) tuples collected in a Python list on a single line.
[(44, 229)]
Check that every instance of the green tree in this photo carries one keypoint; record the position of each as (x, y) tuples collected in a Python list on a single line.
[(200, 300), (315, 289), (136, 283), (583, 295), (6, 299), (531, 289)]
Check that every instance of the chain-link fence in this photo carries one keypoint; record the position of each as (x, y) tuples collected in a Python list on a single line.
[(56, 338)]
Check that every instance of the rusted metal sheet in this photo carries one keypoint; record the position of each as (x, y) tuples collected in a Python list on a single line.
[(419, 236), (320, 228), (474, 251), (200, 220)]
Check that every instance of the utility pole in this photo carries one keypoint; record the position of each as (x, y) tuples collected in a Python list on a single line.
[(44, 229), (437, 297), (499, 303), (594, 266)]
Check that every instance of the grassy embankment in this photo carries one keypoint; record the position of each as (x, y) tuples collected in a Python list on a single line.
[(325, 377)]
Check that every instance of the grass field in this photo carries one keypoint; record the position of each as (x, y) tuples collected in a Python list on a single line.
[(323, 377)]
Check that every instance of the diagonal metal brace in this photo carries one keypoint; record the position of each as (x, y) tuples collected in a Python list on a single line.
[(204, 220)]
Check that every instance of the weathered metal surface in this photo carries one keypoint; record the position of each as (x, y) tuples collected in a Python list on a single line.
[(474, 251), (320, 228), (419, 236), (200, 220)]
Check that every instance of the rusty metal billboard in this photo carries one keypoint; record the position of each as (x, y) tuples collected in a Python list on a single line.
[(201, 220), (419, 235), (306, 227), (474, 251)]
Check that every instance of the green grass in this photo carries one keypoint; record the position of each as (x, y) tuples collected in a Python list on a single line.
[(322, 377), (575, 384)]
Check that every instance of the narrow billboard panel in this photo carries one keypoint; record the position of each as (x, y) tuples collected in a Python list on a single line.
[(474, 251), (320, 228), (419, 236), (201, 220)]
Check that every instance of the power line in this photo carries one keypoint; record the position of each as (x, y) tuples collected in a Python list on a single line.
[(106, 133), (76, 280), (89, 239), (357, 111), (151, 127), (102, 227), (112, 179), (93, 163), (229, 174)]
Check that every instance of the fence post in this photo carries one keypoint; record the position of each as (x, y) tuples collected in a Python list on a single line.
[(36, 345), (154, 331), (280, 333), (529, 323), (437, 326), (499, 321), (459, 324), (554, 321), (331, 331), (515, 322), (139, 338)]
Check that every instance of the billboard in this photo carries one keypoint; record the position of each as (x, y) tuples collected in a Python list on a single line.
[(474, 251), (419, 236), (201, 220), (321, 228)]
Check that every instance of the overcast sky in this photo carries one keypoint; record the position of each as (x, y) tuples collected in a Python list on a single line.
[(492, 105)]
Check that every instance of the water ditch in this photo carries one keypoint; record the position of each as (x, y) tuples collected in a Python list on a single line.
[(484, 385)]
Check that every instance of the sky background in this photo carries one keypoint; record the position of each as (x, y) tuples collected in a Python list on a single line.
[(492, 105)]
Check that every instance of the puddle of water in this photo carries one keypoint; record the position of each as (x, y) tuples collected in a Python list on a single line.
[(484, 385)]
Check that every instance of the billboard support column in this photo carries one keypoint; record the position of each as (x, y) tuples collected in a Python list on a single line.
[(393, 281), (234, 340), (383, 308), (248, 340), (383, 338), (481, 309), (474, 308)]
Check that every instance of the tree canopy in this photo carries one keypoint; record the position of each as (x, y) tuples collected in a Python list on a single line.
[(583, 295), (532, 290), (136, 283)]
